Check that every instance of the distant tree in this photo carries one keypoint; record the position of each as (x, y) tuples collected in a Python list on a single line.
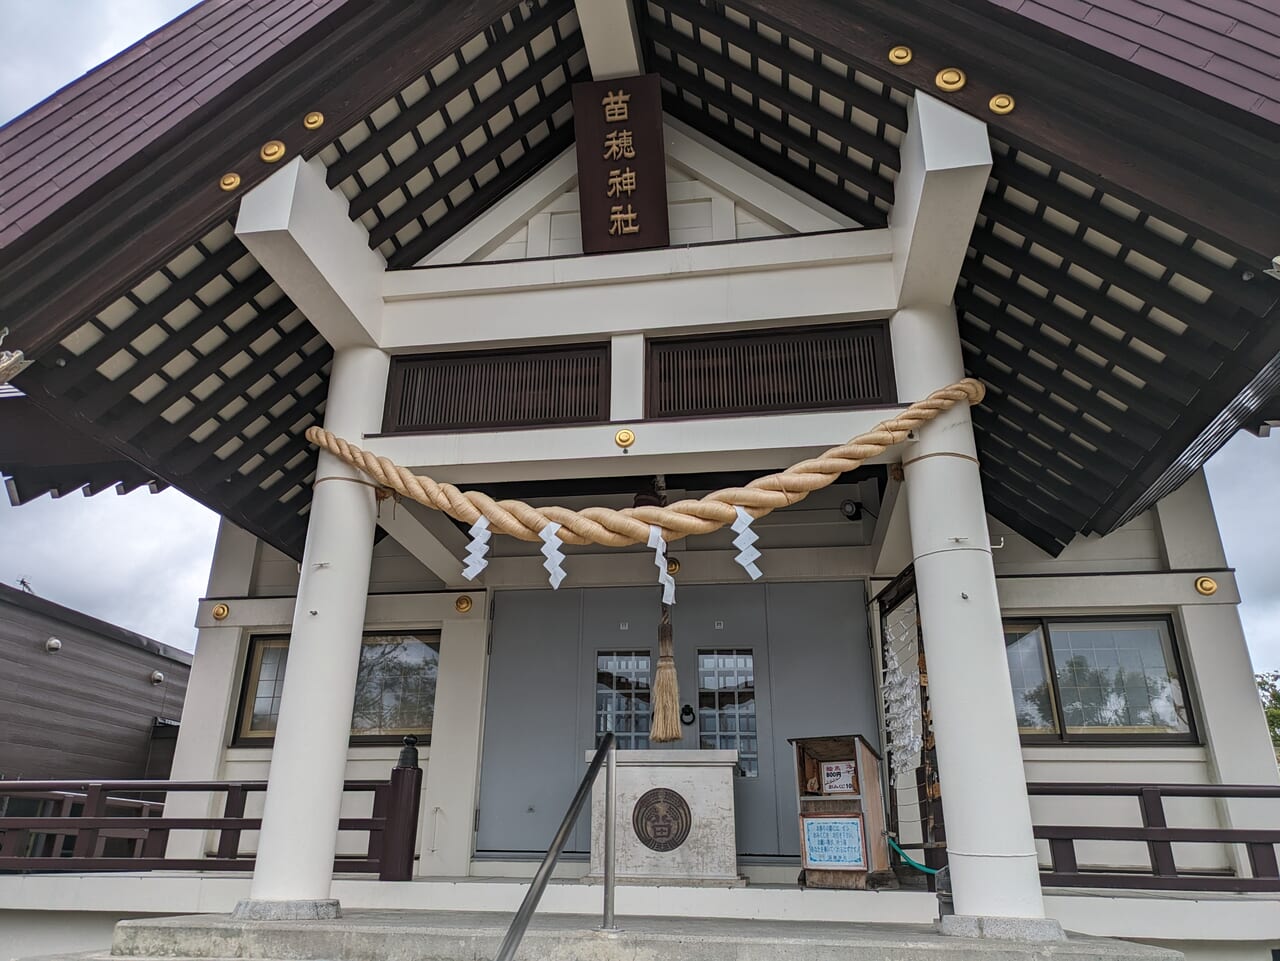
[(1269, 691)]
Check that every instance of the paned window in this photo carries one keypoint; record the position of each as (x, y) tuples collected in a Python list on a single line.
[(395, 686), (623, 703), (727, 706), (1075, 679)]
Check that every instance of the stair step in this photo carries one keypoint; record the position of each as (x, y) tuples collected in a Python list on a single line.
[(403, 935)]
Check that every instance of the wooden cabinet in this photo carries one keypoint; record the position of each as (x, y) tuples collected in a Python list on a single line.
[(842, 820)]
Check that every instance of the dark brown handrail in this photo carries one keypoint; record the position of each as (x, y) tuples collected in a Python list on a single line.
[(1065, 871), (392, 828)]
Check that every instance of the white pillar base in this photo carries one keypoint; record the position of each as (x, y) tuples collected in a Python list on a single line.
[(250, 910), (1037, 930)]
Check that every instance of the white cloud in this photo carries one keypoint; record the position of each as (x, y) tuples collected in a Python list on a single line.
[(1244, 480), (140, 561)]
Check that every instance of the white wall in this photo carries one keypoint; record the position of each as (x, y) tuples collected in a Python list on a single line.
[(29, 934)]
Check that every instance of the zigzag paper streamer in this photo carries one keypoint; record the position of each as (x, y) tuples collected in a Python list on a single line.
[(748, 555), (477, 549), (551, 544), (660, 561)]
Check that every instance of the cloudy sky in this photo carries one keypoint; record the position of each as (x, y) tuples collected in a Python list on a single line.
[(141, 561)]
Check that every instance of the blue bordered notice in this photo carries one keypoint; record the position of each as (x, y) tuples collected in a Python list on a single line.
[(834, 843)]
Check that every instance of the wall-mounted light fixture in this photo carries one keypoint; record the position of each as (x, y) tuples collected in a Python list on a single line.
[(53, 645)]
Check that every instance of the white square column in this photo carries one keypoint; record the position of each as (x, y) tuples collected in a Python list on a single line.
[(995, 876)]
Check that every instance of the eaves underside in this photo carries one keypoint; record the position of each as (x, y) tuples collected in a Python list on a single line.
[(1112, 338)]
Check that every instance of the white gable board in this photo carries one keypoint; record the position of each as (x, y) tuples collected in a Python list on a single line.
[(712, 195)]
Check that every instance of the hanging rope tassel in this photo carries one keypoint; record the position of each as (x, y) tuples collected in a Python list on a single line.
[(666, 689)]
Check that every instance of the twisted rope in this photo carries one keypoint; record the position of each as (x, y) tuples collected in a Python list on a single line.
[(621, 528)]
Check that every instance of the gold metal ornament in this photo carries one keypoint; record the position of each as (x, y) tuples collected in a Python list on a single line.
[(1002, 103), (462, 604), (900, 55), (272, 151), (673, 565), (950, 79), (1206, 586), (230, 181), (221, 612), (314, 120), (625, 438)]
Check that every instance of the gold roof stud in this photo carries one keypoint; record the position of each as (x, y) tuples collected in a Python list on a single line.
[(462, 604), (625, 438), (673, 565), (1002, 103), (314, 120), (1206, 586), (230, 181), (900, 56), (950, 79), (221, 611), (272, 151)]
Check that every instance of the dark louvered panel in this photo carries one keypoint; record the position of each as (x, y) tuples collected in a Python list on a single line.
[(494, 389), (847, 366)]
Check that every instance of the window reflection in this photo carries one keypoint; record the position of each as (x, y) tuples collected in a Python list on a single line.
[(395, 686)]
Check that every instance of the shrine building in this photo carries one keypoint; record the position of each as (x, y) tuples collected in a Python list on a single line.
[(781, 423)]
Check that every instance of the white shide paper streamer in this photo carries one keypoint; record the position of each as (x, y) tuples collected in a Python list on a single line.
[(551, 544), (660, 561), (476, 550), (748, 555)]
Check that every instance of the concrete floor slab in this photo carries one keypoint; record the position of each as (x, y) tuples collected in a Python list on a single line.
[(459, 936)]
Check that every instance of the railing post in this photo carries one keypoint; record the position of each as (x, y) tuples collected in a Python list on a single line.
[(95, 806), (155, 841), (401, 832), (233, 807), (1153, 817), (1262, 860), (610, 834)]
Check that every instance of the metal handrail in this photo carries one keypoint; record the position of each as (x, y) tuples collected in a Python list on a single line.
[(605, 756)]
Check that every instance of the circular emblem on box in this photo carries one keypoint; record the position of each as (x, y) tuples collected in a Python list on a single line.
[(662, 820)]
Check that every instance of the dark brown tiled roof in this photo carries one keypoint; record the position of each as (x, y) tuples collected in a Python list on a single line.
[(1227, 49), (58, 149)]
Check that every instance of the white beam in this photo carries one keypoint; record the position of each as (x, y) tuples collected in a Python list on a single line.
[(612, 40), (946, 160), (683, 446), (298, 229), (413, 536), (829, 277)]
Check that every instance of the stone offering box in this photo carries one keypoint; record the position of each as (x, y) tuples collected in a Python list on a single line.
[(842, 822), (675, 818)]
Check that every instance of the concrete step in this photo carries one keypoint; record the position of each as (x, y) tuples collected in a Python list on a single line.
[(456, 936)]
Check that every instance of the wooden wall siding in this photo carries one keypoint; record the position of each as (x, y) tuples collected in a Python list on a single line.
[(492, 389), (85, 711), (427, 161), (206, 374), (796, 370), (787, 107)]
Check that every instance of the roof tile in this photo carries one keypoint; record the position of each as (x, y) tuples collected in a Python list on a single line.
[(1226, 49), (78, 130)]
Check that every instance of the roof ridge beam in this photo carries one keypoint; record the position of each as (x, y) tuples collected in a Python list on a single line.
[(946, 161), (298, 229), (612, 38)]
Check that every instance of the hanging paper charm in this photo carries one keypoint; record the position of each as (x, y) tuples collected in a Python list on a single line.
[(477, 549), (660, 561), (551, 544), (744, 542)]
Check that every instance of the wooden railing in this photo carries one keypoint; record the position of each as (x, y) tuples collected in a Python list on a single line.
[(1164, 874), (92, 814)]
